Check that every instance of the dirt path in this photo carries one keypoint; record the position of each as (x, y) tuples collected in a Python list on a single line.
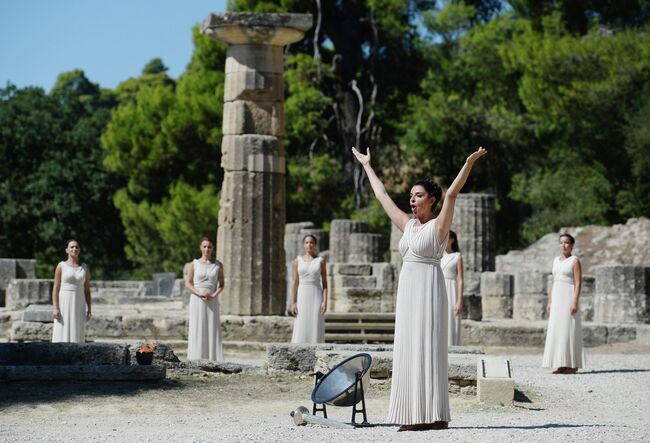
[(606, 402)]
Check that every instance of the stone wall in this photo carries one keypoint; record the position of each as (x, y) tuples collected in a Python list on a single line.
[(367, 287), (622, 294)]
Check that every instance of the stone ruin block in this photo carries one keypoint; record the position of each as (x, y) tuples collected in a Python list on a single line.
[(38, 313), (163, 283), (340, 231), (253, 85), (472, 303), (497, 295), (473, 307), (7, 271), (25, 268), (11, 268), (531, 295), (395, 256), (24, 292), (386, 277), (622, 294), (365, 248), (30, 331), (361, 300), (474, 223), (253, 117), (351, 269), (356, 281), (587, 294), (64, 354)]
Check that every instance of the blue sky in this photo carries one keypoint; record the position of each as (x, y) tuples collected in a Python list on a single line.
[(111, 40)]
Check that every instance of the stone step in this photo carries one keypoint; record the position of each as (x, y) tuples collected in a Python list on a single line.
[(360, 316), (359, 338), (63, 353), (354, 281), (365, 326)]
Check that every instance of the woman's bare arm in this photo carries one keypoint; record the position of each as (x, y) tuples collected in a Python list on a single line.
[(56, 312), (577, 285), (294, 289), (446, 216), (323, 276), (397, 216)]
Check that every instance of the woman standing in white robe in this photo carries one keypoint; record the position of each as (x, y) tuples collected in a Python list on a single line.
[(205, 282), (419, 397), (71, 300), (563, 348), (452, 268), (309, 295)]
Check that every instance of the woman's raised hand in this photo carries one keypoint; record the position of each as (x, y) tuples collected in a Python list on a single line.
[(480, 152), (364, 159)]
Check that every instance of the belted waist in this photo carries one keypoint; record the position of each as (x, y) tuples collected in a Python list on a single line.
[(563, 280), (425, 260), (205, 286), (310, 282), (69, 287)]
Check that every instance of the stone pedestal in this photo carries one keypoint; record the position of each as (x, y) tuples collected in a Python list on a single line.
[(474, 224), (252, 212), (340, 231), (622, 294)]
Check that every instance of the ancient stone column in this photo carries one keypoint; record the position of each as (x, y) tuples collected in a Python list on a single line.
[(252, 213), (475, 226)]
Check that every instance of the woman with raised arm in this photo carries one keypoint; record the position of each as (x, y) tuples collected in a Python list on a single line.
[(205, 282), (71, 301), (563, 347), (419, 398)]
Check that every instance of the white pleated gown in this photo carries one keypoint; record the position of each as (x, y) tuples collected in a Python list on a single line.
[(72, 305), (419, 392), (449, 265), (309, 325), (204, 337), (563, 346)]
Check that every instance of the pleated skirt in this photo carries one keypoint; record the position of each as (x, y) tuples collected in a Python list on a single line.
[(309, 325), (564, 347), (72, 326), (204, 336), (453, 321), (419, 392)]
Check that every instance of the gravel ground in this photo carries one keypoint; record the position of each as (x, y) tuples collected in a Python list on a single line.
[(608, 401)]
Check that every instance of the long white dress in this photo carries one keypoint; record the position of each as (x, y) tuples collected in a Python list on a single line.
[(449, 265), (419, 392), (309, 325), (204, 338), (563, 346), (72, 305)]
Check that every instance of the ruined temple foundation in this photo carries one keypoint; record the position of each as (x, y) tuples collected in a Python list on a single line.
[(252, 212)]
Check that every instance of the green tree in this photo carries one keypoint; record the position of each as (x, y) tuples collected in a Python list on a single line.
[(163, 138), (53, 185)]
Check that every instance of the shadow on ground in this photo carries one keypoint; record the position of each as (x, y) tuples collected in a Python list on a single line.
[(611, 371), (26, 392), (544, 426)]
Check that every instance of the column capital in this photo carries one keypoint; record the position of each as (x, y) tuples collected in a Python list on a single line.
[(237, 28)]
